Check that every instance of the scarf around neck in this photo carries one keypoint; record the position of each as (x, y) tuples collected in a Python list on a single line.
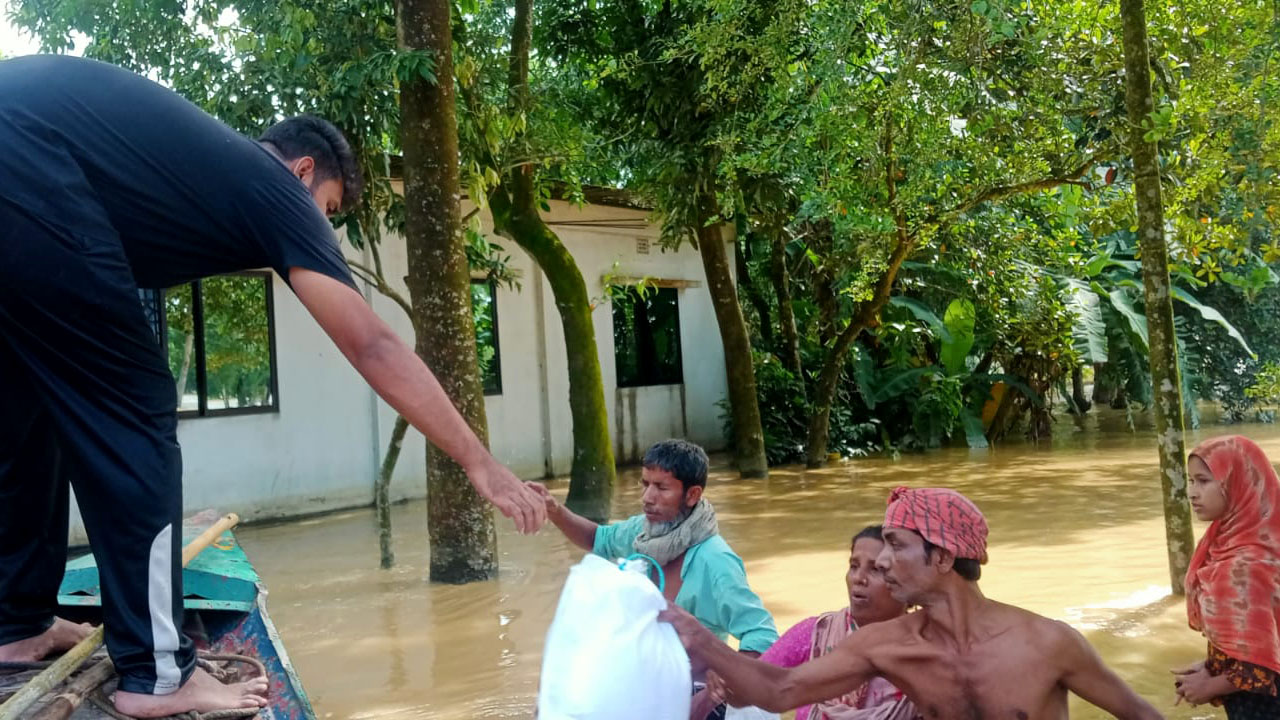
[(667, 541)]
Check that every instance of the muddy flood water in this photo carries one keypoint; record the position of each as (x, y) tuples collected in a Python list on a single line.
[(1076, 534)]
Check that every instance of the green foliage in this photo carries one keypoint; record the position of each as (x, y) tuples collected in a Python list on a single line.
[(853, 432), (995, 157), (959, 339), (1265, 390), (484, 312), (235, 328)]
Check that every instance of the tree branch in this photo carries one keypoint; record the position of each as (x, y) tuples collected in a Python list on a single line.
[(381, 285), (1000, 192)]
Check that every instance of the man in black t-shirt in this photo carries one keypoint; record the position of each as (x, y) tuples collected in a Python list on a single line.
[(110, 183)]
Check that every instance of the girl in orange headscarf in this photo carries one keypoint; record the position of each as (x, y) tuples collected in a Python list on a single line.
[(1233, 584)]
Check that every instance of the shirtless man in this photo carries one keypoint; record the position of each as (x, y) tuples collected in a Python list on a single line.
[(960, 657)]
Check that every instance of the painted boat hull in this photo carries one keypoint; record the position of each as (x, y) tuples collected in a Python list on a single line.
[(226, 612)]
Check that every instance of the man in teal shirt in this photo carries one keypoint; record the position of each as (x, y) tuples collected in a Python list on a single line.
[(678, 529)]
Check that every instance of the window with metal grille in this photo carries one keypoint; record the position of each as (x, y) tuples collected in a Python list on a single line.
[(646, 336), (220, 340)]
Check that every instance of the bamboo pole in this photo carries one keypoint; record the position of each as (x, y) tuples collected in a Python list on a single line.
[(53, 675)]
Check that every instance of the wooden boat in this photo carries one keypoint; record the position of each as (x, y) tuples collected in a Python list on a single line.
[(226, 613)]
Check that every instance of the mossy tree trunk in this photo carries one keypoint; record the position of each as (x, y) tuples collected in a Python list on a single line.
[(514, 205), (460, 522), (744, 404), (1165, 383)]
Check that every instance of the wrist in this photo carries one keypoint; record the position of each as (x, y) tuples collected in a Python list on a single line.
[(475, 457), (1222, 685)]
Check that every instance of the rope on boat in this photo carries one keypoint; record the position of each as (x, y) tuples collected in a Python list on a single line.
[(220, 673)]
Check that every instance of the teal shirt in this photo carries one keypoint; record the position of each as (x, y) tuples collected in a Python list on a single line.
[(714, 585)]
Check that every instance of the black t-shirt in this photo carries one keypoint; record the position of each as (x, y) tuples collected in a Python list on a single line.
[(105, 154)]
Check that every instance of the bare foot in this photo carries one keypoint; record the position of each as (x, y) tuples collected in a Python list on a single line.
[(202, 693), (61, 636)]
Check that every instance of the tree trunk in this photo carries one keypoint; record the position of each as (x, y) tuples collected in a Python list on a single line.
[(460, 523), (514, 205), (1081, 403), (748, 288), (828, 306), (790, 350), (382, 492), (1165, 383), (744, 404), (815, 451), (187, 346), (1103, 391)]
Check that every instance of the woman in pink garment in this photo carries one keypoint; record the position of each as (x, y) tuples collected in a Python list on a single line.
[(869, 602)]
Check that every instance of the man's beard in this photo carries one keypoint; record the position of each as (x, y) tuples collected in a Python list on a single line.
[(662, 528)]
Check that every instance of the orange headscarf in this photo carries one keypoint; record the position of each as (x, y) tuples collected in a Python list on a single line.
[(1233, 584)]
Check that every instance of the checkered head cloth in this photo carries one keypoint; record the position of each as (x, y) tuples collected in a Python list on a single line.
[(943, 517)]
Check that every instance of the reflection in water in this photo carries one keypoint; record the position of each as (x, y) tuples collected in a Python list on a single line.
[(1076, 534)]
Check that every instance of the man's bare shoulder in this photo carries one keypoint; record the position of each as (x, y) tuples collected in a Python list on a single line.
[(1054, 637)]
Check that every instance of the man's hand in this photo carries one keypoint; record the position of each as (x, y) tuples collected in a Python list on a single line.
[(513, 498), (552, 505), (718, 688), (693, 634), (702, 705)]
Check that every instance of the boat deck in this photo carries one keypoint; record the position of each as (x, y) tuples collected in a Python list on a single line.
[(225, 614)]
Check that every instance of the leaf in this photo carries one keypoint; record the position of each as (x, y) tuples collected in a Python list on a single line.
[(1102, 261), (973, 433), (901, 382), (1136, 321), (1089, 327), (1013, 382), (1209, 313), (864, 374), (959, 321), (923, 314)]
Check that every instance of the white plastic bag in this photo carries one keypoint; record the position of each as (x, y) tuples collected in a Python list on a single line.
[(606, 654), (749, 713)]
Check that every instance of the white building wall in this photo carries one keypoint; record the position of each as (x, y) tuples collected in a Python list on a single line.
[(322, 450)]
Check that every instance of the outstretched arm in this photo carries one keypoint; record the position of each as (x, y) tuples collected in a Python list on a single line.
[(753, 682), (401, 378), (1087, 676)]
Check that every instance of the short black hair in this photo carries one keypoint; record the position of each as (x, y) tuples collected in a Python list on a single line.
[(317, 138), (967, 568), (873, 532), (686, 461)]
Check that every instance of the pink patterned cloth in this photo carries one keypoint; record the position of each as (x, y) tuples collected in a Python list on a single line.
[(795, 648), (943, 517)]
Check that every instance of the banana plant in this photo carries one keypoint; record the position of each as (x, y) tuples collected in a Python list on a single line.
[(1110, 325), (950, 394), (1109, 294)]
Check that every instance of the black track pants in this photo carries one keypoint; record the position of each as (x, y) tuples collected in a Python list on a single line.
[(86, 399)]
